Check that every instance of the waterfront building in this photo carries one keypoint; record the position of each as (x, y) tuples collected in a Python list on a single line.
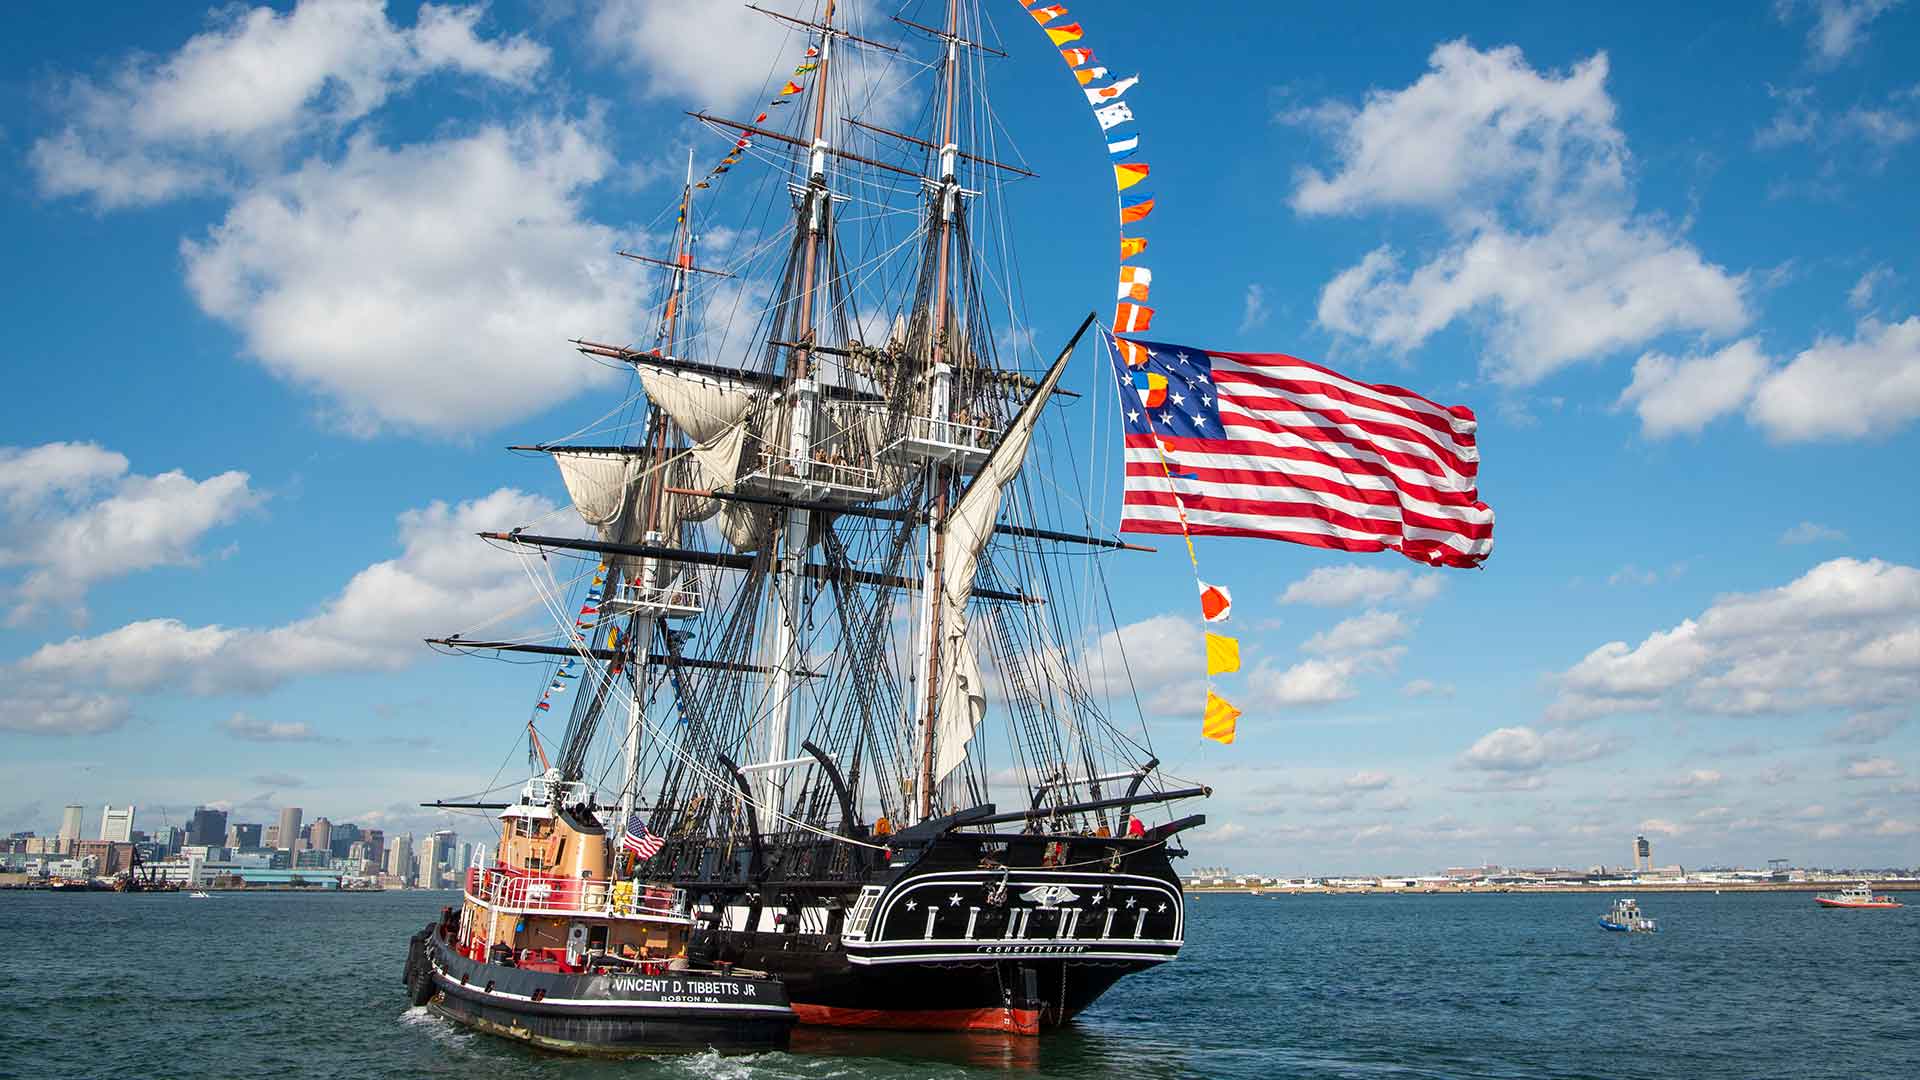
[(315, 858), (209, 826), (376, 841), (70, 825), (243, 837), (289, 835), (116, 825), (320, 835), (109, 857), (427, 873)]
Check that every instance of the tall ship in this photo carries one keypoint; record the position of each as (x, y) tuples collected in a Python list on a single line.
[(845, 704)]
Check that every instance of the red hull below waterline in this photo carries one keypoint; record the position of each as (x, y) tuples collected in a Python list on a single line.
[(1009, 1020), (1824, 902)]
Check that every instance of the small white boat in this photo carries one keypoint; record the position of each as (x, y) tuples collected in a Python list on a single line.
[(1625, 918), (199, 895)]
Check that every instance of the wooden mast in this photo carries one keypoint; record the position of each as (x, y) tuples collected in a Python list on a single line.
[(944, 207)]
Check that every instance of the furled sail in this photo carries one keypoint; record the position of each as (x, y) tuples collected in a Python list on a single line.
[(704, 406), (962, 700), (599, 483)]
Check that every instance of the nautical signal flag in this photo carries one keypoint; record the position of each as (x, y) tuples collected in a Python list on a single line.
[(1130, 318), (1045, 15), (1131, 246), (1223, 654), (1216, 603), (1060, 35), (1087, 75), (1218, 723), (1152, 388), (1076, 57), (1112, 116), (1134, 355), (1136, 212), (1128, 174), (791, 88), (543, 706), (1134, 281), (1120, 148), (1098, 94)]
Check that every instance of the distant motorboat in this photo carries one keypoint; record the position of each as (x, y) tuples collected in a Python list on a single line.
[(1856, 896), (199, 895), (1625, 918)]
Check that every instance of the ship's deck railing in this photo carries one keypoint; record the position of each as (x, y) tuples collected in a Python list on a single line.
[(959, 443), (680, 600), (540, 791), (828, 476), (515, 891)]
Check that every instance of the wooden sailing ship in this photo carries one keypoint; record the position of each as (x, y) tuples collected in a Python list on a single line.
[(845, 649)]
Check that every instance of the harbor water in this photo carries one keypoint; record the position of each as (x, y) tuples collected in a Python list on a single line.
[(286, 985)]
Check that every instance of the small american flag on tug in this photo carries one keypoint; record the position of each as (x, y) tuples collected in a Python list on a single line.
[(1267, 445), (637, 839)]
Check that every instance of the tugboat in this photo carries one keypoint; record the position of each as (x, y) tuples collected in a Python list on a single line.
[(550, 948), (1856, 896), (1625, 918)]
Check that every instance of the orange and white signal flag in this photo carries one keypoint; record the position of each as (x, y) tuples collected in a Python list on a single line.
[(1130, 318), (1134, 282), (1216, 603), (1132, 353)]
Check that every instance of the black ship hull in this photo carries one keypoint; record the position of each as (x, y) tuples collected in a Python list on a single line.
[(599, 1013), (965, 932)]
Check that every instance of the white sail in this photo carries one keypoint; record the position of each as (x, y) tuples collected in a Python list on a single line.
[(962, 701), (598, 482), (704, 407)]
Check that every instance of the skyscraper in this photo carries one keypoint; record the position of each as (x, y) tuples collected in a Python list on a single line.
[(70, 824), (320, 835), (289, 835), (400, 858), (208, 827), (428, 874), (116, 824), (242, 836)]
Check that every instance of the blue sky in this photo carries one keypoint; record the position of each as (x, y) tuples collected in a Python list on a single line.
[(281, 282)]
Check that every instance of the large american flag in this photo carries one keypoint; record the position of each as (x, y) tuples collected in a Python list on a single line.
[(1261, 444), (637, 839)]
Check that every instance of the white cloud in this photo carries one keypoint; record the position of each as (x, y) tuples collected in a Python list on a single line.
[(1427, 688), (1836, 389), (31, 475), (1339, 586), (1874, 768), (1860, 297), (1697, 780), (232, 96), (444, 579), (1367, 780), (83, 519), (1476, 121), (1158, 658), (430, 287), (1840, 26), (1632, 575), (1583, 288), (1254, 312), (1808, 532), (1865, 728), (1658, 827), (243, 726), (694, 49), (1360, 633), (36, 711), (1318, 681), (1681, 395), (1528, 169), (1522, 749), (1844, 635)]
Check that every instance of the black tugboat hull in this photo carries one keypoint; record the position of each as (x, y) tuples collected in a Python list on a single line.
[(605, 1014)]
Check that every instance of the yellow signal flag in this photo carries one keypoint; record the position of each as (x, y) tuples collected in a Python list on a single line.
[(1223, 654), (1125, 176), (1218, 723), (1131, 246), (1060, 35)]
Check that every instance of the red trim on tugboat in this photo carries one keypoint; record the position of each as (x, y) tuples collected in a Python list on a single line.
[(1005, 1019)]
